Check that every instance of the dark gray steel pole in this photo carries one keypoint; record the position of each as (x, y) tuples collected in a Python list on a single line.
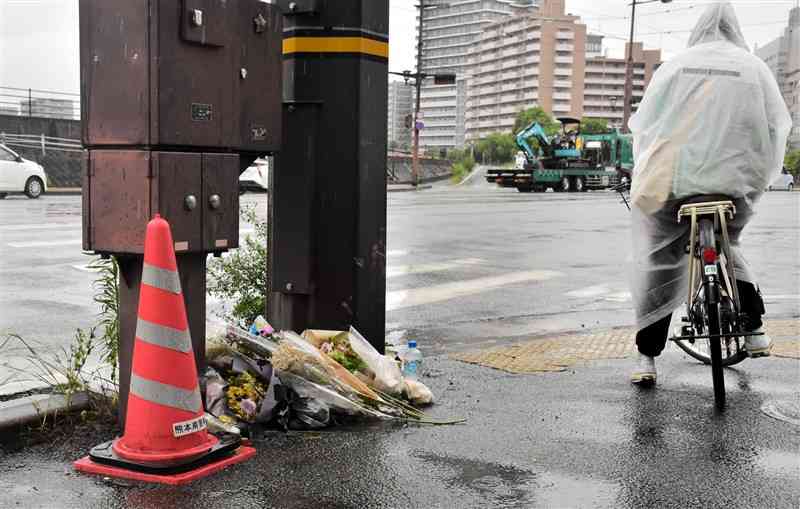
[(327, 248), (418, 85), (626, 115)]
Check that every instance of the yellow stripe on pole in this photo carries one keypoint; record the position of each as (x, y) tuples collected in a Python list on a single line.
[(335, 45)]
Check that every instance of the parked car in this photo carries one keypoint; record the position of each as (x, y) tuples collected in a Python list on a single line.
[(783, 182), (256, 177), (18, 175)]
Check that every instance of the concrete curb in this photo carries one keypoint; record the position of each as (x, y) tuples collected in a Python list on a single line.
[(64, 191), (17, 412), (407, 188)]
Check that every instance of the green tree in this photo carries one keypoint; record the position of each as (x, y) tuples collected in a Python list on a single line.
[(594, 125), (496, 148), (792, 162), (526, 117)]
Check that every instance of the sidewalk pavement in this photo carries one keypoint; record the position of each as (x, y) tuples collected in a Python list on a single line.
[(399, 188), (580, 437)]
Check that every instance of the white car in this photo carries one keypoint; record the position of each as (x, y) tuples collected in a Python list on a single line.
[(255, 177), (783, 182), (18, 175)]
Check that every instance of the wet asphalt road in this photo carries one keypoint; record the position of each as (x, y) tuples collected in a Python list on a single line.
[(583, 438), (468, 266), (579, 439)]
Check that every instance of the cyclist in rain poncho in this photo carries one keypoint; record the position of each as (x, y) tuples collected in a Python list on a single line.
[(711, 122)]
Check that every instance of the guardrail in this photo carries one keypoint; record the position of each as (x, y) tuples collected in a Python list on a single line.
[(40, 141), (30, 102)]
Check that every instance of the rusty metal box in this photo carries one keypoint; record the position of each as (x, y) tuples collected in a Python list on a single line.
[(196, 192), (181, 74)]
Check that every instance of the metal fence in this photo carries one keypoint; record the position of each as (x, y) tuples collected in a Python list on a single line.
[(30, 102), (40, 142)]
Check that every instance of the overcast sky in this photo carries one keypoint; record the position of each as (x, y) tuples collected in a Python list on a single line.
[(39, 38)]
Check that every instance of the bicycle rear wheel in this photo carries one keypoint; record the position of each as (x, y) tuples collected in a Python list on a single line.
[(717, 377), (731, 347)]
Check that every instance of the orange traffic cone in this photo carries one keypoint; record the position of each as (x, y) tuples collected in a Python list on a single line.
[(166, 438)]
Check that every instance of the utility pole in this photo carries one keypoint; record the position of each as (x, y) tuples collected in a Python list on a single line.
[(626, 112), (627, 107), (418, 87)]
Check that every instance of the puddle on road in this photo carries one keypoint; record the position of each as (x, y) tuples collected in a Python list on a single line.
[(779, 463), (499, 485), (556, 490)]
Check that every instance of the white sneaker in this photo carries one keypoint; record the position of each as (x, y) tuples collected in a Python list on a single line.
[(645, 372), (758, 346)]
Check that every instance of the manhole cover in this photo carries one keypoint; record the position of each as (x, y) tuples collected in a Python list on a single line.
[(787, 411)]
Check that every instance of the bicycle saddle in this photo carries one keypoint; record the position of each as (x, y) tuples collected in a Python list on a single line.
[(705, 198)]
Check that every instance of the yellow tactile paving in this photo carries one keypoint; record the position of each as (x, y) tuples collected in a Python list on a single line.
[(559, 353)]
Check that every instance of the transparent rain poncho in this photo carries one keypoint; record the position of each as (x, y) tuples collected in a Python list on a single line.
[(712, 121)]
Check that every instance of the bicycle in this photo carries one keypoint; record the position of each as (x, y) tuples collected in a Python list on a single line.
[(714, 330)]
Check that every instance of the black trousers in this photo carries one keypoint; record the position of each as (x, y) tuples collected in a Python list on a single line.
[(652, 339)]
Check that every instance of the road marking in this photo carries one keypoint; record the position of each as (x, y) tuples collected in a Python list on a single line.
[(46, 243), (396, 252), (781, 297), (40, 226), (401, 299), (403, 270), (589, 291), (618, 297)]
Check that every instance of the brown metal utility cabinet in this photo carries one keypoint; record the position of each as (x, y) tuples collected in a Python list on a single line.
[(177, 98)]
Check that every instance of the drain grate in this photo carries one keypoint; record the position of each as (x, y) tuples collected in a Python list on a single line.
[(787, 411)]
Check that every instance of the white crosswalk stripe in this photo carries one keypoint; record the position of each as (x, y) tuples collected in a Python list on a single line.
[(45, 243), (40, 226), (400, 299), (427, 268)]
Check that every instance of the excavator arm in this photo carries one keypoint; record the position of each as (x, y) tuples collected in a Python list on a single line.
[(534, 130)]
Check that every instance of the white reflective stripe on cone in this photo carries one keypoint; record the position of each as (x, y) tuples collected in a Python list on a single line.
[(161, 335), (167, 395), (162, 279)]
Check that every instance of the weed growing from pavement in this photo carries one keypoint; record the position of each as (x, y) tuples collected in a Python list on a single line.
[(240, 277), (106, 295)]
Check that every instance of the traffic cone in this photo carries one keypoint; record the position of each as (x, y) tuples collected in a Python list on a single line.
[(166, 438)]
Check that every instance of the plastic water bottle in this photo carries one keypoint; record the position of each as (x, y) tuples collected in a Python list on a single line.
[(412, 361)]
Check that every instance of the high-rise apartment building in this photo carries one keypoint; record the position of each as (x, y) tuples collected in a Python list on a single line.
[(604, 83), (546, 58), (449, 29), (401, 105), (782, 56)]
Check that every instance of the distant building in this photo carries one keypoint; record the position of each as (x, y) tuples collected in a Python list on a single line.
[(546, 58), (604, 83), (50, 108), (401, 105), (782, 56), (449, 31)]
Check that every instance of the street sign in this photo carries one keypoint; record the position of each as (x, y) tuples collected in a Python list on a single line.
[(420, 125)]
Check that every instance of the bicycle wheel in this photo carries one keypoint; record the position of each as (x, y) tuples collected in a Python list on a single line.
[(713, 294), (717, 377), (700, 349)]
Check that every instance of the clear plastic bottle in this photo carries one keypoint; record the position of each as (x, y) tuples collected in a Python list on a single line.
[(412, 361)]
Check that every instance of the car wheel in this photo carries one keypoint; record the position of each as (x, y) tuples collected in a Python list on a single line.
[(565, 186), (34, 187), (2, 196), (579, 185), (790, 187)]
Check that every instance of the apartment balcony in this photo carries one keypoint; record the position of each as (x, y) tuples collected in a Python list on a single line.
[(564, 60), (565, 47), (562, 84), (565, 36)]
